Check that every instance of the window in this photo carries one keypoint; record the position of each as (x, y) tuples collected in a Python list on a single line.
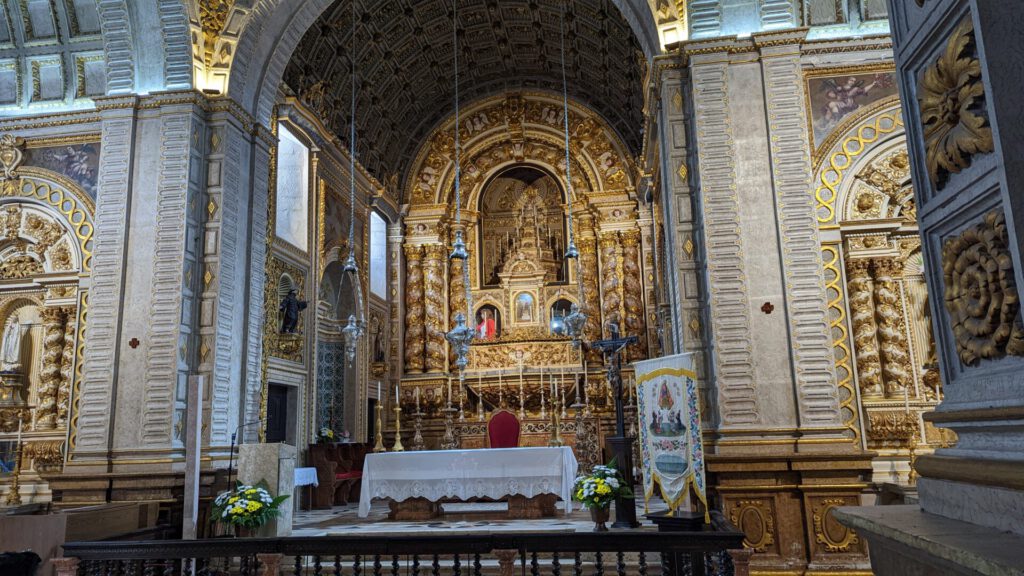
[(378, 256), (292, 222)]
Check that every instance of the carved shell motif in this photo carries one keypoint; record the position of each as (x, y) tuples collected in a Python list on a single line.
[(980, 292)]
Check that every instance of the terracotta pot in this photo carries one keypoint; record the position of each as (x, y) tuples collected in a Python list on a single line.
[(599, 516)]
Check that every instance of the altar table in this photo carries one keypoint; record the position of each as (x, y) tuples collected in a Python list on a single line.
[(435, 476)]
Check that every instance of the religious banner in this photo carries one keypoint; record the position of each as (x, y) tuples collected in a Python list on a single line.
[(671, 449)]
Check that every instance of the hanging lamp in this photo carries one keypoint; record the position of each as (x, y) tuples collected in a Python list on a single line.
[(356, 327), (461, 335), (577, 317)]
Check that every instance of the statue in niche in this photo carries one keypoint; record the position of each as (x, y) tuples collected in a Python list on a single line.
[(487, 323), (290, 308), (12, 346), (524, 308)]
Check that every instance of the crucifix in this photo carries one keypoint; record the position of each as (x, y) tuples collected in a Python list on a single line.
[(621, 445)]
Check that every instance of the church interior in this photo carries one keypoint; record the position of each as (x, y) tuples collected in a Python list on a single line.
[(757, 257)]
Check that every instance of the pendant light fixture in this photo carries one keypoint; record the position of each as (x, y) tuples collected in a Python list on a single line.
[(577, 317), (356, 327), (461, 335)]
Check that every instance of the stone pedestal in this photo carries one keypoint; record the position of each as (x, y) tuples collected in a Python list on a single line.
[(274, 464)]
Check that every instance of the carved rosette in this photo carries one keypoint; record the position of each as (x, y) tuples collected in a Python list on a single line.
[(67, 360), (980, 292), (633, 296), (952, 99), (434, 302), (865, 331), (414, 313), (896, 370), (611, 286), (50, 376)]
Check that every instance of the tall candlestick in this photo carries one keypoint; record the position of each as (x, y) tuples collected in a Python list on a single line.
[(449, 390)]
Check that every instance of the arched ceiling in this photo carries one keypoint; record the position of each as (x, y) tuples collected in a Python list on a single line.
[(403, 51)]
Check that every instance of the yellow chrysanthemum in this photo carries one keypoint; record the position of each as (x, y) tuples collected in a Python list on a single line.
[(254, 506), (251, 491), (233, 499), (603, 489)]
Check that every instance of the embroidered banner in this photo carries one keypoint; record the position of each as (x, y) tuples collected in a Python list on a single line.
[(672, 452)]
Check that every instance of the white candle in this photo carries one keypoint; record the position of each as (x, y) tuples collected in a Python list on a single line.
[(396, 395), (417, 399), (19, 433), (449, 390), (378, 390)]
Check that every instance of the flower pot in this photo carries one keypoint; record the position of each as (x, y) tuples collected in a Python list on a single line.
[(245, 531), (600, 516)]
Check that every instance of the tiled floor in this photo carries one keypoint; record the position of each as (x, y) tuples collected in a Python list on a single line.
[(458, 519)]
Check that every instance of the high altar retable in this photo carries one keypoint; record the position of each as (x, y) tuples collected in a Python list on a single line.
[(436, 476)]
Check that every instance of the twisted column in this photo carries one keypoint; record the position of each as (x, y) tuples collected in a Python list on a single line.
[(611, 282), (588, 264), (414, 310), (433, 301), (633, 293), (865, 332), (896, 371), (53, 348), (67, 367)]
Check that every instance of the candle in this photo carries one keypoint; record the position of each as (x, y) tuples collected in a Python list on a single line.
[(449, 390), (576, 379), (396, 395), (417, 399), (19, 433), (378, 390)]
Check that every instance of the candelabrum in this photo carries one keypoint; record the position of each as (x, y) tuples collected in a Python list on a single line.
[(543, 408), (379, 445), (417, 437), (14, 495), (448, 441), (480, 408), (556, 426), (397, 446), (912, 445)]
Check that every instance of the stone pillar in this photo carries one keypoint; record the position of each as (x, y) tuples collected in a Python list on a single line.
[(865, 332), (50, 376), (897, 374), (434, 256), (414, 312), (611, 281), (395, 301), (633, 293)]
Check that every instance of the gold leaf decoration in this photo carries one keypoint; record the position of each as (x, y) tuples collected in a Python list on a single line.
[(952, 99), (981, 293)]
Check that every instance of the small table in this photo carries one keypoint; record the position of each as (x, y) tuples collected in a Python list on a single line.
[(306, 477), (418, 482)]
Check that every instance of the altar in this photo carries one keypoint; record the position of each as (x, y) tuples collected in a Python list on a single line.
[(417, 483)]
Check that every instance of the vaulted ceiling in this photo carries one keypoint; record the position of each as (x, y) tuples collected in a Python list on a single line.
[(403, 52)]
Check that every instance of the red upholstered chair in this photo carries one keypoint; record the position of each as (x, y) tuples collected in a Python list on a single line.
[(503, 430)]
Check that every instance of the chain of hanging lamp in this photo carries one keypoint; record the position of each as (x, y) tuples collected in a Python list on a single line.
[(577, 318), (356, 327), (461, 334)]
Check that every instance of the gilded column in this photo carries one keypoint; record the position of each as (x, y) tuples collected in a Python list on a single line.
[(896, 370), (53, 348), (865, 331), (588, 265), (434, 301), (633, 293), (611, 284), (67, 367), (414, 312)]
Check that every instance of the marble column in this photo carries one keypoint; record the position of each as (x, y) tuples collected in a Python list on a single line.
[(865, 331), (415, 334), (50, 377), (395, 240), (633, 293), (434, 256), (897, 373)]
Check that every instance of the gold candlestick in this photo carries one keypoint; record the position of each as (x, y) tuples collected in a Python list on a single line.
[(397, 446), (379, 445), (556, 426), (417, 437)]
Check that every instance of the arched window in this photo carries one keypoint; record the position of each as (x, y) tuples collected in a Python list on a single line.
[(559, 310), (292, 221), (378, 256)]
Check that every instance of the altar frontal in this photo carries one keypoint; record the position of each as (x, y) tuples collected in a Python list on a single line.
[(672, 452)]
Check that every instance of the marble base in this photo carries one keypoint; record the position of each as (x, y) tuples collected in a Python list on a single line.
[(905, 541), (275, 464), (991, 506)]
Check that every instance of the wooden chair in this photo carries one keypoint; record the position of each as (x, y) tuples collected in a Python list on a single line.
[(503, 429), (326, 471)]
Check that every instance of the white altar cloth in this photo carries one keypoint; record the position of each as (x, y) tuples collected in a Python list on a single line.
[(306, 477), (464, 474)]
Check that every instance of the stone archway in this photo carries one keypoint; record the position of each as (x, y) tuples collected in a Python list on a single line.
[(134, 64)]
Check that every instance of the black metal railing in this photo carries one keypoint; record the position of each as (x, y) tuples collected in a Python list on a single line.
[(637, 552)]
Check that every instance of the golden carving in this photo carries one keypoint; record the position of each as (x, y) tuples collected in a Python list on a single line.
[(543, 353), (896, 370), (284, 346), (980, 292), (434, 300), (67, 360), (213, 15), (414, 312), (611, 287), (45, 231), (10, 222), (20, 266), (632, 293), (840, 337), (895, 426), (865, 332), (952, 98), (755, 519), (827, 530), (9, 418), (46, 455), (10, 155), (50, 377)]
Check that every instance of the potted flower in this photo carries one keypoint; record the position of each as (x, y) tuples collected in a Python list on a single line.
[(246, 507), (597, 490), (325, 435), (345, 436)]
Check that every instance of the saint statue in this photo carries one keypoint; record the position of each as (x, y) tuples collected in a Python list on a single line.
[(487, 328), (12, 346), (290, 308)]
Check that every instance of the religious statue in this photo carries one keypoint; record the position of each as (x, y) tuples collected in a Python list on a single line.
[(290, 308), (12, 346), (524, 308), (486, 329)]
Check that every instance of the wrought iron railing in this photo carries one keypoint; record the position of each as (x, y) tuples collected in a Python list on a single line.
[(714, 551)]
